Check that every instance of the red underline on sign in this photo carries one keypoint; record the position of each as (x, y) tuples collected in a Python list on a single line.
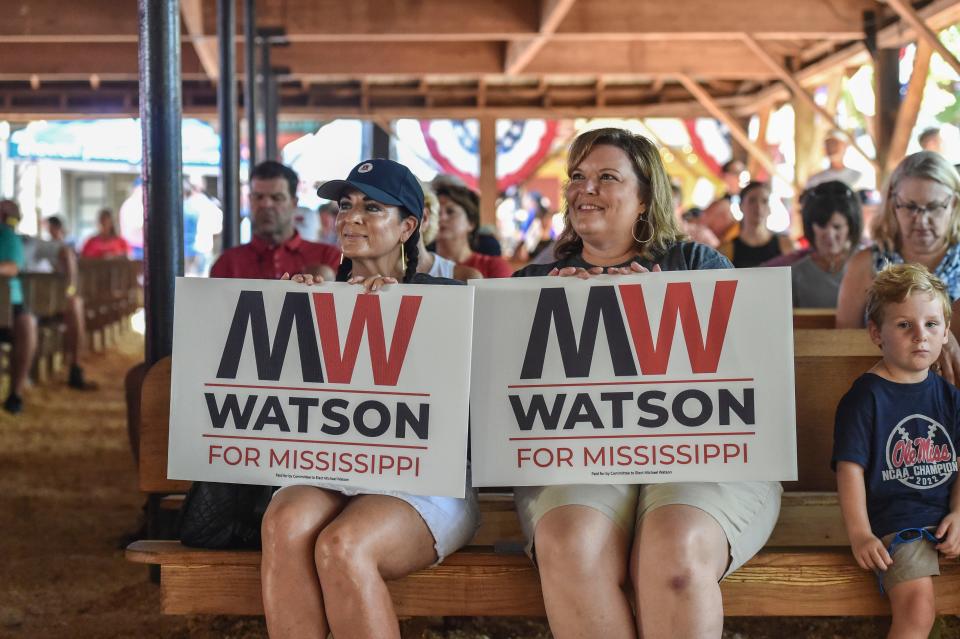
[(321, 390), (316, 441), (658, 381), (544, 439)]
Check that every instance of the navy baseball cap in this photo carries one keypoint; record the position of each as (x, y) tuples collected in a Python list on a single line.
[(385, 181)]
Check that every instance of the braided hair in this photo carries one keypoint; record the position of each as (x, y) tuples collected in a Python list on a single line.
[(411, 247)]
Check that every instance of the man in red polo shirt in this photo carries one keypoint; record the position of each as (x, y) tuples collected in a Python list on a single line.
[(276, 247)]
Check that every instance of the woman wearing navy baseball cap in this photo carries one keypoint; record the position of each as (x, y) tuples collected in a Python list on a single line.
[(327, 553)]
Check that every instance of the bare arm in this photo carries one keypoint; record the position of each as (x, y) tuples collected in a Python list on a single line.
[(9, 268), (852, 300), (464, 273), (949, 528), (68, 266), (867, 549)]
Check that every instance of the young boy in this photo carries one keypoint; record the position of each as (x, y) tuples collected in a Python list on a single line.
[(894, 448)]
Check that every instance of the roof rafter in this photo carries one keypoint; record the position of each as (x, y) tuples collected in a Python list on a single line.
[(519, 54)]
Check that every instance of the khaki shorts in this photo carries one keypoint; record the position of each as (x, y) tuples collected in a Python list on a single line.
[(911, 560), (746, 511)]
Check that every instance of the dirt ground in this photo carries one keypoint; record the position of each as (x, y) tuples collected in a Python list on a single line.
[(68, 497)]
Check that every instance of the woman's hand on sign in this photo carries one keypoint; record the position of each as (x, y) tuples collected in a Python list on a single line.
[(373, 283), (949, 533), (576, 271), (583, 273), (303, 278), (869, 552), (632, 269)]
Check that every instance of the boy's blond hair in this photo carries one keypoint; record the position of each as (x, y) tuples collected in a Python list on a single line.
[(896, 282)]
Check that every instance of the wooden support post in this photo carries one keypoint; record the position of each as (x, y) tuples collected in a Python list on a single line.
[(753, 167), (798, 91), (807, 143), (731, 123), (909, 15), (488, 170), (886, 79), (909, 107)]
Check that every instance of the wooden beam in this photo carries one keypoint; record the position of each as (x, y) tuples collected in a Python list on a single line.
[(77, 61), (909, 15), (731, 123), (76, 21), (206, 46), (799, 92), (814, 19), (396, 21), (488, 170), (909, 106), (349, 59), (730, 59), (519, 54)]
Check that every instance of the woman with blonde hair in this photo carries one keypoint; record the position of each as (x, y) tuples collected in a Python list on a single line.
[(675, 541), (919, 223)]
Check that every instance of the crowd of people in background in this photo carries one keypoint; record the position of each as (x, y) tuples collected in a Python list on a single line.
[(829, 262)]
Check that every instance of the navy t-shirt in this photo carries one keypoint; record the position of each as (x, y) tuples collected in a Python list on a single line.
[(903, 436)]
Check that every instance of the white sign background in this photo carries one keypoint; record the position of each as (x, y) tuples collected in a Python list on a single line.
[(436, 371), (757, 353)]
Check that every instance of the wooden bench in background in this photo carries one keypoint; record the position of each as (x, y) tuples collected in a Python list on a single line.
[(111, 291), (806, 568), (45, 295)]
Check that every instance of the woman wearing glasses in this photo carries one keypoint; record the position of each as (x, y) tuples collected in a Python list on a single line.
[(832, 224), (919, 223)]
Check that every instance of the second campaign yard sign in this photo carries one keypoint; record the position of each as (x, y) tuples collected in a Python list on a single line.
[(656, 377), (278, 383)]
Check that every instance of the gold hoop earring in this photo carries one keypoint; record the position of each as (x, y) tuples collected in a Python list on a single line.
[(403, 257), (633, 233)]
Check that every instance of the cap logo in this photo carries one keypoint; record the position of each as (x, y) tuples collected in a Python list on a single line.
[(366, 167)]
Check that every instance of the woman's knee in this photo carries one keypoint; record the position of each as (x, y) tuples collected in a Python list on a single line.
[(339, 551), (675, 553), (294, 518), (572, 548)]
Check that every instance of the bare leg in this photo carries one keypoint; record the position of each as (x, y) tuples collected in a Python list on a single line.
[(376, 538), (914, 613), (24, 349), (74, 320), (582, 556), (292, 600), (679, 555)]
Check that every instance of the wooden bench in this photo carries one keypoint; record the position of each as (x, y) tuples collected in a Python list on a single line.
[(45, 294), (806, 569), (111, 291)]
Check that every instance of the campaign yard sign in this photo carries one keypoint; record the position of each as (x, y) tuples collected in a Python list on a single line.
[(655, 377), (278, 383)]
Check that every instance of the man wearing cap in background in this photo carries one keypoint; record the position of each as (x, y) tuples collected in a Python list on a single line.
[(276, 247), (23, 333), (834, 147)]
